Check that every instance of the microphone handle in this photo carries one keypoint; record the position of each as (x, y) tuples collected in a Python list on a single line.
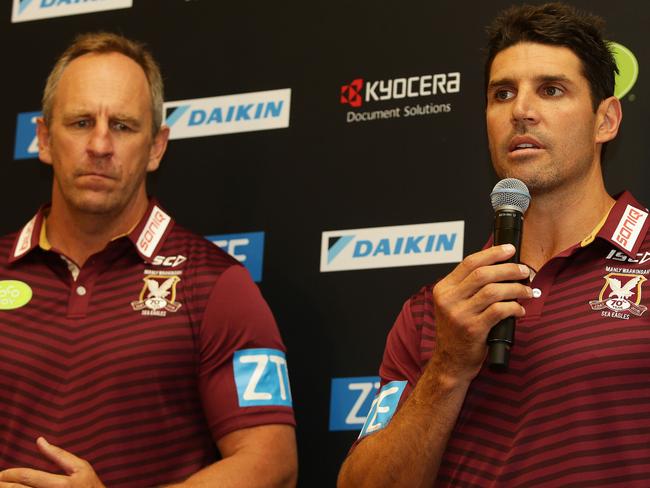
[(508, 226)]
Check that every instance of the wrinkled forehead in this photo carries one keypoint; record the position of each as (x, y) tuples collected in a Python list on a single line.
[(109, 80)]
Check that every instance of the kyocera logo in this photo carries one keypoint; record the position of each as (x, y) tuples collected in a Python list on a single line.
[(385, 247), (228, 114), (24, 10), (358, 91)]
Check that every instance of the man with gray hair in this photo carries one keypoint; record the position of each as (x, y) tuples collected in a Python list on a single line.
[(136, 352)]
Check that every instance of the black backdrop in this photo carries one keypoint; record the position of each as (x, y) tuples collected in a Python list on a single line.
[(321, 173)]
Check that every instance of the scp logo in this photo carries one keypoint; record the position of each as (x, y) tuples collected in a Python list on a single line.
[(261, 377), (351, 94)]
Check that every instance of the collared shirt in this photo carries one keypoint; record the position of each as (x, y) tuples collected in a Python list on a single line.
[(140, 360), (573, 409)]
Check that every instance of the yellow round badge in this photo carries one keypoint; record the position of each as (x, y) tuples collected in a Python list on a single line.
[(14, 294)]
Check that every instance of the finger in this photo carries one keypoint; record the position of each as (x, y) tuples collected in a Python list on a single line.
[(486, 257), (32, 478), (499, 311), (496, 273), (497, 292), (64, 459)]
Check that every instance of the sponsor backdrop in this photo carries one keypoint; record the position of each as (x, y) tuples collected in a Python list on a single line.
[(339, 154)]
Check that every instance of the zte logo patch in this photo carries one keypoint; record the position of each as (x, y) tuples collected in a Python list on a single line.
[(213, 116), (358, 91), (387, 247), (350, 401), (26, 145), (383, 407), (25, 10), (247, 248), (261, 377)]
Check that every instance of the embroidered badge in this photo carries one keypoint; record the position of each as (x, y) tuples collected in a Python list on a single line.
[(621, 296), (158, 295)]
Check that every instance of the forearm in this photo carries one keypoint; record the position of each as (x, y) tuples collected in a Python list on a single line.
[(264, 456), (409, 450), (242, 472)]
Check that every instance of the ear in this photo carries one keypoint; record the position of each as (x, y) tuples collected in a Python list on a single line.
[(43, 135), (608, 117), (158, 148)]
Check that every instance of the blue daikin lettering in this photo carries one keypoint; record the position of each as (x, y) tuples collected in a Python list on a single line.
[(350, 401), (404, 245), (383, 407), (228, 114), (394, 246), (26, 10), (234, 113), (261, 377)]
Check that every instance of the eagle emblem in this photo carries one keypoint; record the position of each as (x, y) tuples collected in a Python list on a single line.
[(158, 295), (620, 296)]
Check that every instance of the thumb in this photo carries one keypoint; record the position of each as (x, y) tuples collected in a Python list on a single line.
[(65, 460)]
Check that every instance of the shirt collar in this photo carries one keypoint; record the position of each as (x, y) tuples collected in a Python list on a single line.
[(626, 225), (147, 236)]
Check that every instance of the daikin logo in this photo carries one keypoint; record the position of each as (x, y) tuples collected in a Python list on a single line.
[(228, 114), (26, 10), (396, 246)]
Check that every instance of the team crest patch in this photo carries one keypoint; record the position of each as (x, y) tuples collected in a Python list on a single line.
[(158, 295), (620, 296)]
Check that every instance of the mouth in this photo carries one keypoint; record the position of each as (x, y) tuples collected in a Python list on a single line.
[(524, 145)]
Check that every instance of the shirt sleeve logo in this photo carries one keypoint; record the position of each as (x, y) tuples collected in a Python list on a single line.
[(383, 407), (262, 378)]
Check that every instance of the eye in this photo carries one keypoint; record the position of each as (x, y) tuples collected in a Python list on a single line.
[(503, 94), (552, 91), (82, 124), (121, 127)]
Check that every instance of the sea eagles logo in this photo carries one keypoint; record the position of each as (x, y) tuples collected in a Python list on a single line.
[(155, 296), (621, 297)]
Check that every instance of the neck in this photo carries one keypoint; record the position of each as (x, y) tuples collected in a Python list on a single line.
[(560, 219), (79, 235)]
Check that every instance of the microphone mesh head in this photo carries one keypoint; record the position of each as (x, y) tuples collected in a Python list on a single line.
[(510, 192)]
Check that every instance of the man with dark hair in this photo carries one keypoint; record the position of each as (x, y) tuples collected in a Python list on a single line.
[(573, 407), (143, 353)]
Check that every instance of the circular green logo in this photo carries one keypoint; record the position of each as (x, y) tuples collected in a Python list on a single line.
[(628, 69), (14, 294)]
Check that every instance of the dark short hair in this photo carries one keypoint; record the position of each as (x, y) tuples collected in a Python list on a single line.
[(557, 24)]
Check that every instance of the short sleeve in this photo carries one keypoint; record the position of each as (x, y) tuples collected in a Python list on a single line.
[(243, 376)]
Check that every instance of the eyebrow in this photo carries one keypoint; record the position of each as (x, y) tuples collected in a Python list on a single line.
[(128, 119), (539, 79)]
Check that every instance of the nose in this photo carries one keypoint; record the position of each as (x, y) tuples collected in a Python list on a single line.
[(100, 144), (524, 108)]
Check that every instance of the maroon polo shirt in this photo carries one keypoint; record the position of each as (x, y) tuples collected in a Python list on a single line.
[(574, 407), (128, 361)]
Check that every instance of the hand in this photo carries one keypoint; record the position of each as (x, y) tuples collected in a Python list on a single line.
[(475, 296), (78, 473)]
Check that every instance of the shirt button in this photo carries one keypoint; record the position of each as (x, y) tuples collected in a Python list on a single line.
[(537, 293), (81, 290)]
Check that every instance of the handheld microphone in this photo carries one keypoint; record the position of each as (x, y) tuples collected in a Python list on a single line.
[(510, 200)]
